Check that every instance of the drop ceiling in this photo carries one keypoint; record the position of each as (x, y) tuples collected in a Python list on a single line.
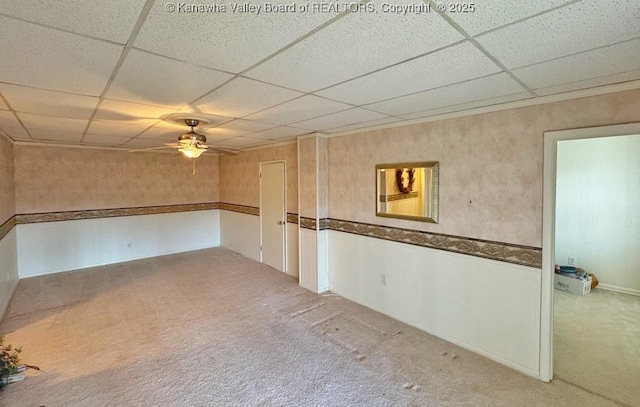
[(112, 73)]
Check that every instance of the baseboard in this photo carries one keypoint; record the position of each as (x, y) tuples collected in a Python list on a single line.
[(5, 306), (618, 289)]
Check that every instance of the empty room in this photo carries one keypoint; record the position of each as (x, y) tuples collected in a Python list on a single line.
[(319, 203)]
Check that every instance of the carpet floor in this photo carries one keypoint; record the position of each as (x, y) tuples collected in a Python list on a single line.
[(213, 328), (597, 343)]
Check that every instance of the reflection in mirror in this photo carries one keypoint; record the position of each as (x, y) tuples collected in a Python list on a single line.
[(408, 191)]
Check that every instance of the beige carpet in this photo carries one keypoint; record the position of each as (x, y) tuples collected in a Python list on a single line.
[(597, 343), (212, 328)]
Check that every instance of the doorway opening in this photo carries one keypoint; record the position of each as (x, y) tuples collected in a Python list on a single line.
[(592, 331)]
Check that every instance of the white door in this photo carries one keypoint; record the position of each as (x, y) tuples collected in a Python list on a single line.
[(273, 214)]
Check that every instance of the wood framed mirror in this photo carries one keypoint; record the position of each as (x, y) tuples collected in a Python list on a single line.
[(408, 191)]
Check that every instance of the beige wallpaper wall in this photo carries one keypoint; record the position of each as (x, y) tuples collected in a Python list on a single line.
[(239, 183), (307, 161), (7, 197), (490, 166), (52, 179)]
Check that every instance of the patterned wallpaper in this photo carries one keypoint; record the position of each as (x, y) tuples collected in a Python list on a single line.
[(7, 197), (308, 158), (54, 179), (490, 166), (240, 184)]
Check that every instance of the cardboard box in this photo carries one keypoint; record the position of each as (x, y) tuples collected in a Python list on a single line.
[(573, 285)]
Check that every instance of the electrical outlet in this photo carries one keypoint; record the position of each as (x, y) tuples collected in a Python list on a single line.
[(383, 279), (571, 261)]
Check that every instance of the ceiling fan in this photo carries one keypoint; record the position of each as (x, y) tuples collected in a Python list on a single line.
[(192, 144)]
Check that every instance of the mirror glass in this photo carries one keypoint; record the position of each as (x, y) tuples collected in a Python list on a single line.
[(408, 191)]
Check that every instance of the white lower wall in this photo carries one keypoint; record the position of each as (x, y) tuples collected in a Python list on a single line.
[(308, 259), (292, 250), (8, 269), (489, 307), (240, 232), (51, 247)]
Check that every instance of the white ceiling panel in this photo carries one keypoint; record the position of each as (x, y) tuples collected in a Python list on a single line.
[(228, 40), (3, 106), (468, 106), (54, 135), (280, 133), (164, 131), (490, 14), (51, 123), (103, 140), (241, 97), (591, 64), (357, 44), (12, 126), (149, 79), (50, 59), (118, 110), (372, 123), (578, 27), (238, 128), (33, 100), (591, 83), (464, 92), (306, 107), (120, 128), (344, 118), (455, 64), (112, 20)]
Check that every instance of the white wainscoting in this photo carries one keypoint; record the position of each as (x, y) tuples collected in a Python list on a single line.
[(240, 232), (292, 250), (51, 247), (308, 259), (8, 269), (486, 306)]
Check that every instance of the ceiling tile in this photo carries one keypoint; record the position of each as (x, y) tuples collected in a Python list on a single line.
[(280, 133), (55, 60), (227, 40), (149, 79), (32, 100), (375, 40), (591, 64), (372, 123), (103, 140), (475, 89), (12, 126), (51, 123), (243, 142), (61, 136), (591, 83), (164, 131), (578, 27), (455, 64), (340, 119), (3, 106), (490, 14), (241, 97), (306, 107), (467, 106), (118, 110), (121, 128), (238, 128), (112, 20)]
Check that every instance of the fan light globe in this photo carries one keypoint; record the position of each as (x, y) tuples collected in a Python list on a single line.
[(191, 151)]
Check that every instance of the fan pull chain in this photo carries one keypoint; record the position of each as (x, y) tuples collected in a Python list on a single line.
[(194, 166)]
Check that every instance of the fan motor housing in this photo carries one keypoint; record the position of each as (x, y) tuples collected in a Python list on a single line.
[(192, 136)]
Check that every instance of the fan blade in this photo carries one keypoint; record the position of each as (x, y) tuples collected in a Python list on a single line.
[(223, 151), (148, 149)]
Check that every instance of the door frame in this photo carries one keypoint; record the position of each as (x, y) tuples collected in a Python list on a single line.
[(285, 261), (551, 139)]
